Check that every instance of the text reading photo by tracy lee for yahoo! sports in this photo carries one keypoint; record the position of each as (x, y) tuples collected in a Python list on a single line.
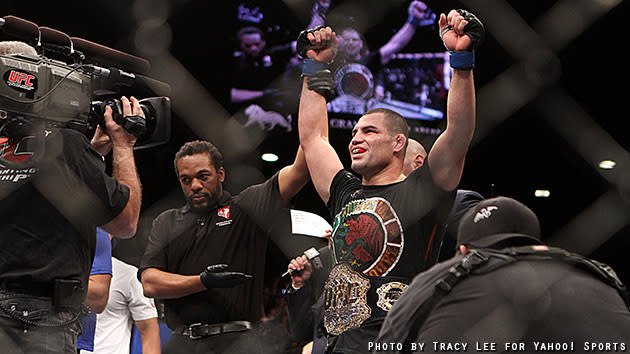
[(495, 347)]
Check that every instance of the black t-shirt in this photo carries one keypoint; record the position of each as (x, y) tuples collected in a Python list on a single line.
[(234, 232), (51, 205), (527, 301), (387, 230)]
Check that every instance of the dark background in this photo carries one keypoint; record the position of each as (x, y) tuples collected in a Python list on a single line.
[(551, 83)]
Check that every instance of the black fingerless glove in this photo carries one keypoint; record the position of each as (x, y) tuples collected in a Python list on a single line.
[(474, 29), (302, 43), (215, 277)]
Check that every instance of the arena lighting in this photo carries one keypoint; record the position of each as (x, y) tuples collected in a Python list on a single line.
[(607, 164), (542, 193), (269, 157)]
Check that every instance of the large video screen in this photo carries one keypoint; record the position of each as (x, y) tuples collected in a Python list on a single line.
[(412, 84)]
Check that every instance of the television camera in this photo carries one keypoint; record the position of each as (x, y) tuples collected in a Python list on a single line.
[(71, 81)]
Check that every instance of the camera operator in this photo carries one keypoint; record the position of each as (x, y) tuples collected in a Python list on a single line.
[(54, 191)]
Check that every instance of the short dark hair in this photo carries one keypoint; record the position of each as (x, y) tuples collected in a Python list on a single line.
[(396, 123), (196, 147), (249, 30)]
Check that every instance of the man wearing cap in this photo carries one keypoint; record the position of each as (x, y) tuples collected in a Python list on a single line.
[(505, 290)]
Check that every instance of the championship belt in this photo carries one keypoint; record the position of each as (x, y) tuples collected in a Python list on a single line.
[(355, 79), (351, 298), (389, 293), (345, 299)]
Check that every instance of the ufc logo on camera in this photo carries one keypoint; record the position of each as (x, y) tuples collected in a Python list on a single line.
[(20, 80)]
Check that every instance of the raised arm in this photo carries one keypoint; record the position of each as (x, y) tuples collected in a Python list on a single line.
[(417, 17), (124, 170), (461, 33), (322, 160), (292, 178)]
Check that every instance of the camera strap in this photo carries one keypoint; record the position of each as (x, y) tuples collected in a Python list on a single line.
[(487, 260)]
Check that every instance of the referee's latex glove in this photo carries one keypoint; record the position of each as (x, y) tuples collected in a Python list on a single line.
[(215, 277)]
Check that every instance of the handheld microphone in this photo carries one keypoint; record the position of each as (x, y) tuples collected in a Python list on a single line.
[(313, 256)]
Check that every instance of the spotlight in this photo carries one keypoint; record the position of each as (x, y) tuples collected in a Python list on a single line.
[(269, 157), (607, 164), (542, 193)]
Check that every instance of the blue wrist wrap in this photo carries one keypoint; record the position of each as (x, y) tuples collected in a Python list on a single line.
[(312, 66), (462, 60)]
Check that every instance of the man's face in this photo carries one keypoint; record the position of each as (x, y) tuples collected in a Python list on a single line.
[(200, 181), (350, 43), (252, 44), (372, 145)]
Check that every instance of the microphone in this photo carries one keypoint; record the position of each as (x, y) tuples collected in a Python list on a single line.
[(118, 76), (113, 74), (20, 27), (112, 56), (53, 36), (313, 256)]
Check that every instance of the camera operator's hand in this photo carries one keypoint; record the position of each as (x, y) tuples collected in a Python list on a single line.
[(124, 169), (119, 136)]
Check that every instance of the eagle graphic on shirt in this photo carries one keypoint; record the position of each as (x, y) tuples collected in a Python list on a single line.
[(368, 235)]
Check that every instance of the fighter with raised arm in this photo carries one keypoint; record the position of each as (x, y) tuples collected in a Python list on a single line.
[(382, 221)]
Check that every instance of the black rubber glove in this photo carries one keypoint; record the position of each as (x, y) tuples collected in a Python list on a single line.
[(215, 277)]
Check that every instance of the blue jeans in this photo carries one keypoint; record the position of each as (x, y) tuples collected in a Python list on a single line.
[(37, 330)]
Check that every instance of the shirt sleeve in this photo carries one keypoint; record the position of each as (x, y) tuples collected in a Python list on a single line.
[(299, 312), (102, 263), (141, 307), (343, 188), (113, 195), (155, 254), (263, 203), (78, 170), (432, 196)]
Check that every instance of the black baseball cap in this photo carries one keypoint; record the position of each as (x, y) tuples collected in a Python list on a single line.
[(498, 219)]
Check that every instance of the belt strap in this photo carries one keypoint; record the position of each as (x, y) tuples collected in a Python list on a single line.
[(202, 330)]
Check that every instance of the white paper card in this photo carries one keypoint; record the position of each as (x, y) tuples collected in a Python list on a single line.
[(309, 224)]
